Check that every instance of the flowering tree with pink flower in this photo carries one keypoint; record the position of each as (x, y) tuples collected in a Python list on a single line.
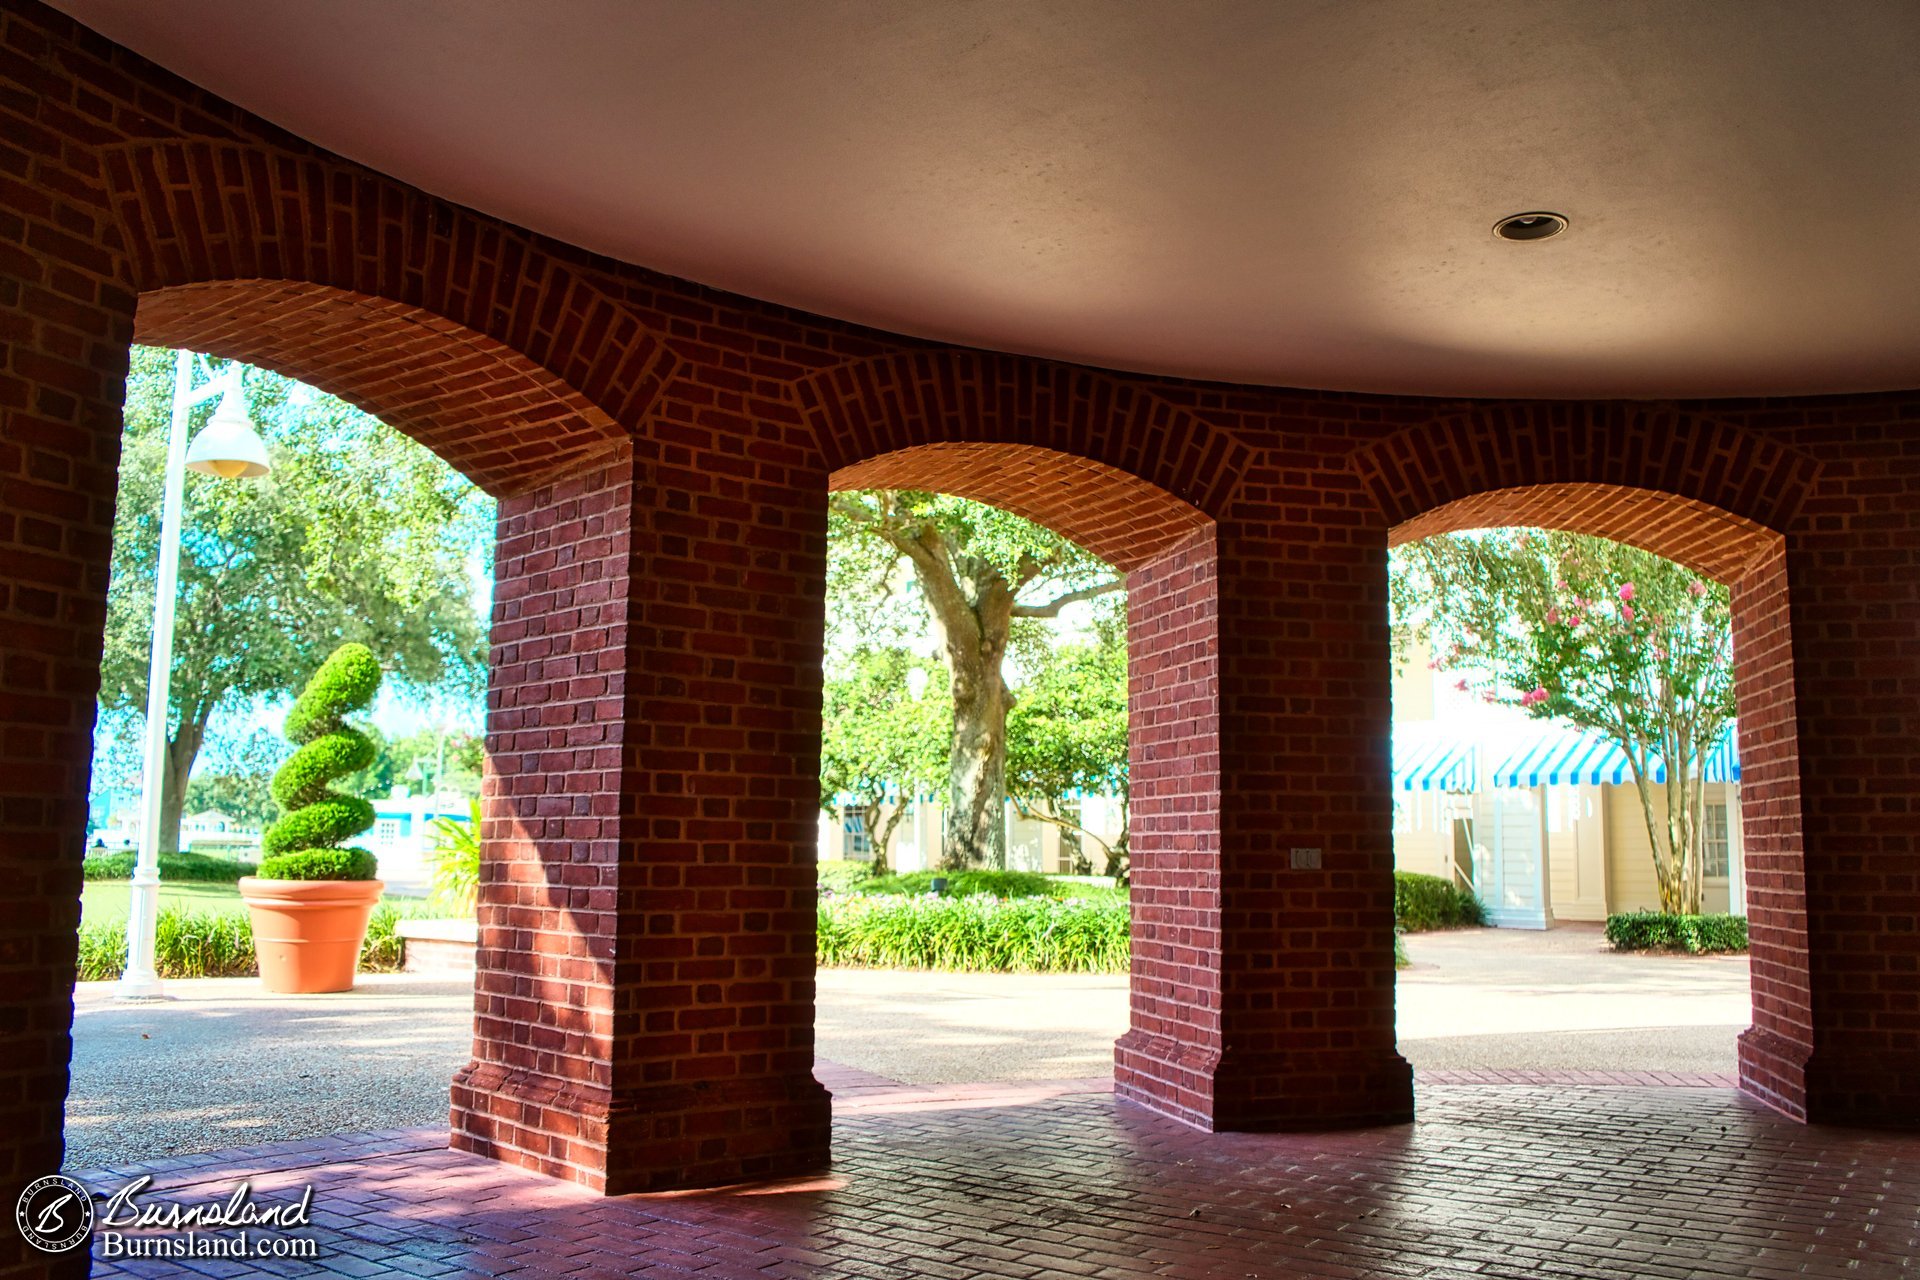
[(1612, 639)]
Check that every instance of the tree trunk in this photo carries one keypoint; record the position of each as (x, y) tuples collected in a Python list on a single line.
[(880, 830), (976, 828), (182, 749)]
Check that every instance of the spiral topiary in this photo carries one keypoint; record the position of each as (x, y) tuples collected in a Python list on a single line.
[(305, 844)]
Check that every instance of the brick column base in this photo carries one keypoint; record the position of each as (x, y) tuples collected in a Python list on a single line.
[(1263, 1093), (1773, 1070), (1863, 1089), (665, 1138)]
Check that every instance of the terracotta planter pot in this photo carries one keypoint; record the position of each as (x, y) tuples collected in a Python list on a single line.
[(307, 933)]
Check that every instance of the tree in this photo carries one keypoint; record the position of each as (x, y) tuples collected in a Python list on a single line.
[(1067, 733), (358, 535), (1615, 640), (881, 745), (980, 571)]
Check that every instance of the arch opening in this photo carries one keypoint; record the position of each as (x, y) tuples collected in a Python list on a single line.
[(1749, 559), (553, 460), (1166, 550)]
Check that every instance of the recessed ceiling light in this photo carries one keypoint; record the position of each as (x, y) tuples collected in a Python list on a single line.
[(1530, 226)]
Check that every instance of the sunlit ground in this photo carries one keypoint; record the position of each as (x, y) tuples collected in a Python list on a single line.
[(224, 1064)]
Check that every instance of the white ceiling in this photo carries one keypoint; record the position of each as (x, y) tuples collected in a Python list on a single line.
[(1276, 191)]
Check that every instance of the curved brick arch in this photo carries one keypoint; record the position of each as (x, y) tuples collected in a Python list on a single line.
[(193, 212), (1705, 538), (889, 404), (1685, 486), (1126, 521), (505, 422)]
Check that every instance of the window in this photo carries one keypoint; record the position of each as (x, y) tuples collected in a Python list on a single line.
[(859, 841), (1715, 847), (386, 831)]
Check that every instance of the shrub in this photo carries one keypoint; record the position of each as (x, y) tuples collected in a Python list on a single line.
[(978, 934), (173, 866), (1422, 902), (456, 860), (320, 864), (837, 876), (1661, 931), (317, 819)]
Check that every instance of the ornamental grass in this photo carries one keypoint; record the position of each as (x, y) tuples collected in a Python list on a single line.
[(219, 944)]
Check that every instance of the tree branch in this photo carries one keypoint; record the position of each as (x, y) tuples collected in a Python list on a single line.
[(1052, 608), (852, 508)]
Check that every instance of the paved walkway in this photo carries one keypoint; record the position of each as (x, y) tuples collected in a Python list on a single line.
[(225, 1064), (1489, 1184)]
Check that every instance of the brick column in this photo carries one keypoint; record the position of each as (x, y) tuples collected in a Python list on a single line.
[(643, 1001), (66, 316), (1170, 1054), (1773, 1052), (1837, 1000), (1263, 990)]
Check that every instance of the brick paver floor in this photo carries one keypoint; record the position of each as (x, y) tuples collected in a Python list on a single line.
[(1039, 1179)]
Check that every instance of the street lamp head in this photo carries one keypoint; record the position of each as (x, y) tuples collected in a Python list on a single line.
[(229, 447)]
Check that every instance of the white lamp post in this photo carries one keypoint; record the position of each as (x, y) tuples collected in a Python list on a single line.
[(227, 448)]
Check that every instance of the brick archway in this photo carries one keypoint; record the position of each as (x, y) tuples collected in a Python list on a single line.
[(1168, 550), (878, 412), (563, 472), (1749, 557), (493, 414), (193, 211)]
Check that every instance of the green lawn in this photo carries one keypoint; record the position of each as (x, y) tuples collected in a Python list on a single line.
[(103, 900)]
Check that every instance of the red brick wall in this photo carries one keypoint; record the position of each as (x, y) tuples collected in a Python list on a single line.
[(538, 366), (541, 1081), (1171, 1052)]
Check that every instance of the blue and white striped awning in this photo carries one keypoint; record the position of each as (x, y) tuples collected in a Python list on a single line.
[(1568, 757), (1428, 762)]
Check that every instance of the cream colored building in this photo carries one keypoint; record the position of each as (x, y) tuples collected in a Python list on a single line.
[(1543, 823), (1032, 845)]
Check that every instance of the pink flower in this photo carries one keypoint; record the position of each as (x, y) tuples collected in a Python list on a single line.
[(1559, 584), (1553, 617), (1696, 589), (1626, 591), (1461, 685), (1626, 611), (1533, 697)]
